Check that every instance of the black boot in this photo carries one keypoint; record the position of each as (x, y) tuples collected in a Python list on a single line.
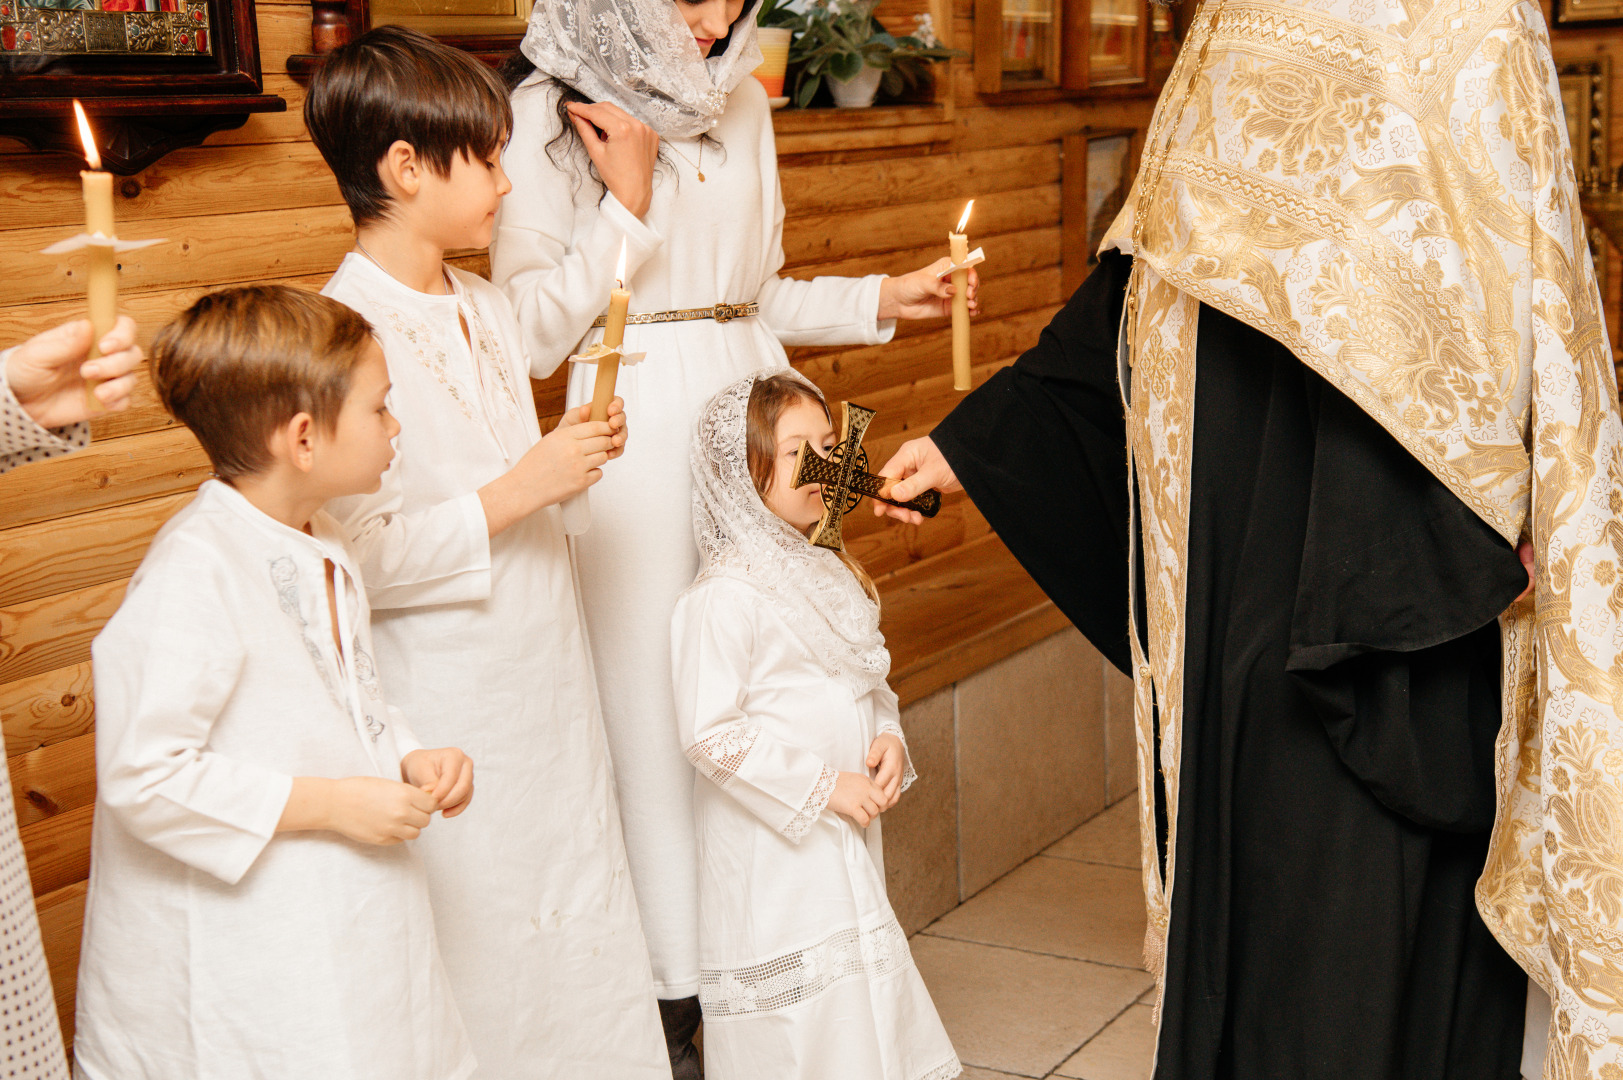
[(681, 1020)]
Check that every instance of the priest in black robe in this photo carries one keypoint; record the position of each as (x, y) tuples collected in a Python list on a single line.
[(1326, 456), (1341, 697)]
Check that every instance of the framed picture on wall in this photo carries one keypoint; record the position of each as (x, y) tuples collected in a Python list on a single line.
[(1096, 174), (1588, 12), (1586, 98), (91, 48), (154, 75)]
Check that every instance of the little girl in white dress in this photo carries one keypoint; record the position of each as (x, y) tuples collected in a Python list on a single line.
[(779, 669)]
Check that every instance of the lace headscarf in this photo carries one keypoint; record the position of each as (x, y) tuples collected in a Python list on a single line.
[(738, 537), (640, 55)]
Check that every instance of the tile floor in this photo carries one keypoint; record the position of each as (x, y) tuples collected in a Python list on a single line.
[(1039, 974)]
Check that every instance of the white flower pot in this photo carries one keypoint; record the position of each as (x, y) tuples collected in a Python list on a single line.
[(859, 92)]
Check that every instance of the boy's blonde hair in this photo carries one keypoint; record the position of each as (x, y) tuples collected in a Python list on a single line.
[(240, 363), (770, 398)]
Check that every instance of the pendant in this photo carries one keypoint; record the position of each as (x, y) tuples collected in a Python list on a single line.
[(701, 178)]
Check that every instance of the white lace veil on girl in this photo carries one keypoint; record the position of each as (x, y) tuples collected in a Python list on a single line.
[(640, 55), (815, 593)]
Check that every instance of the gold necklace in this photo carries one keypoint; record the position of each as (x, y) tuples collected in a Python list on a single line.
[(697, 165)]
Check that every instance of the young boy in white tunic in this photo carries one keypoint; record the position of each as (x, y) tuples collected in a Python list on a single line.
[(478, 620), (253, 912), (779, 669)]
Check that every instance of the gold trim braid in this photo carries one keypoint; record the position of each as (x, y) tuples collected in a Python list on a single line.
[(722, 313), (1386, 188)]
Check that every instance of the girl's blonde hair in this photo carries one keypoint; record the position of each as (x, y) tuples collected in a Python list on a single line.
[(770, 398)]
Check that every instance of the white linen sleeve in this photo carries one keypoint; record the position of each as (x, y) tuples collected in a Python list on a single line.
[(557, 283), (824, 310), (438, 555), (711, 639), (888, 721), (165, 671), (22, 440), (405, 739)]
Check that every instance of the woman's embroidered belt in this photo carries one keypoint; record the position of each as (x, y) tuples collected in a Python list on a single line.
[(721, 313)]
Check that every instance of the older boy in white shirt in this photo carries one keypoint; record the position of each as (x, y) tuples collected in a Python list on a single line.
[(253, 912)]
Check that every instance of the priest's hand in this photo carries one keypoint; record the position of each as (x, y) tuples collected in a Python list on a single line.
[(48, 373), (888, 758), (1524, 552), (917, 467), (445, 773), (367, 809), (624, 149), (858, 797), (566, 461), (923, 295)]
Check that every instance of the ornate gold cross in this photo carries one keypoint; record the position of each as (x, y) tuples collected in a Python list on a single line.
[(845, 478)]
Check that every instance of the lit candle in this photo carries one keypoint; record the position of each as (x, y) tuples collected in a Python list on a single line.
[(101, 279), (614, 334), (958, 244)]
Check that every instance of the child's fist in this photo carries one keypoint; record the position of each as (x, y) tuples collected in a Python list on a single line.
[(446, 774), (857, 797), (888, 758), (378, 811)]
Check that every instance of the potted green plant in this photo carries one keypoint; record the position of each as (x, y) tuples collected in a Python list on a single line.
[(777, 24), (842, 41)]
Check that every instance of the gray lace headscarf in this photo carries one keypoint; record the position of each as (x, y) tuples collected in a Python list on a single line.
[(640, 55), (738, 537)]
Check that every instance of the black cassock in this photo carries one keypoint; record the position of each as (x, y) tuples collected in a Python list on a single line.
[(1341, 693)]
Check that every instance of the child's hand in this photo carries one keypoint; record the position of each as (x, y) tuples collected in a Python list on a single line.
[(617, 421), (887, 757), (857, 797), (565, 462), (446, 774), (922, 295), (377, 811)]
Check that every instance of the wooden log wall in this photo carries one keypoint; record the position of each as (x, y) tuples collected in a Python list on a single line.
[(873, 191)]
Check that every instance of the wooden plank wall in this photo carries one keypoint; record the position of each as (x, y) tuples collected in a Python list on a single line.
[(257, 205)]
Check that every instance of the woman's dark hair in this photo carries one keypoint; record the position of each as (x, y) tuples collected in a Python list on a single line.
[(566, 145)]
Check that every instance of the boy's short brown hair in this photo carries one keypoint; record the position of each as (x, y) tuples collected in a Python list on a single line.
[(394, 83), (240, 363)]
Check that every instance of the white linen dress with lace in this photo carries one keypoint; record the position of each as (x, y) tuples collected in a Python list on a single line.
[(554, 251), (34, 1050), (481, 643), (780, 685), (805, 973), (215, 947)]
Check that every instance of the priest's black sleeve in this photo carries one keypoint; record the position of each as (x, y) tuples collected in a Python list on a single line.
[(1041, 448)]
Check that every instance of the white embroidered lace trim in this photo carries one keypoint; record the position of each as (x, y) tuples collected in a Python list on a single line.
[(796, 977), (802, 822), (891, 727), (944, 1071), (721, 755)]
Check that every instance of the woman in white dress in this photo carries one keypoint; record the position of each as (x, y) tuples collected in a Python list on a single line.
[(782, 704), (678, 160)]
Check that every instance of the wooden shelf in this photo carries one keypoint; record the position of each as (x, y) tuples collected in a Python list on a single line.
[(821, 131), (951, 615)]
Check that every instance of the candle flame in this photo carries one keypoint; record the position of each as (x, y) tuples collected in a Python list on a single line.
[(85, 136), (620, 267), (963, 222)]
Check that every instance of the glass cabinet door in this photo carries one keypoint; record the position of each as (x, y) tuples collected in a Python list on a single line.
[(1031, 41)]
